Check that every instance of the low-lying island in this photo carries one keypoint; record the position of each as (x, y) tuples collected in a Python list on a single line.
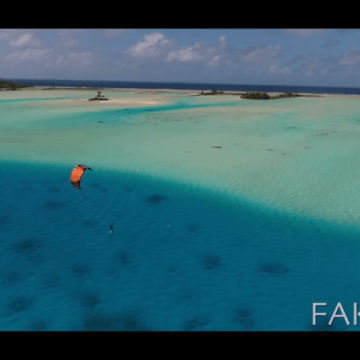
[(99, 97)]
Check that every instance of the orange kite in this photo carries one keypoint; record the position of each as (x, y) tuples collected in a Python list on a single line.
[(77, 174)]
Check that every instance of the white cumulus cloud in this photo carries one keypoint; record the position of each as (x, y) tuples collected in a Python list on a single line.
[(153, 45), (191, 53), (199, 52), (261, 53), (20, 41), (19, 38), (276, 70), (222, 41), (215, 60), (350, 57)]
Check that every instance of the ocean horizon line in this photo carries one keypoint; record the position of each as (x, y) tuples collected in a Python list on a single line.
[(184, 82)]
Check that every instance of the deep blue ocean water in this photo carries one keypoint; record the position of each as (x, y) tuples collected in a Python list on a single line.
[(180, 257), (191, 86)]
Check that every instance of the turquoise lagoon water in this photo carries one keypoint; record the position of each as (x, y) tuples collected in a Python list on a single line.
[(183, 256)]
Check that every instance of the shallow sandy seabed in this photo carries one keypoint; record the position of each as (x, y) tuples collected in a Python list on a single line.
[(297, 154)]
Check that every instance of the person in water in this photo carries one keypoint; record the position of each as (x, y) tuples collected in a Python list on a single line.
[(111, 228)]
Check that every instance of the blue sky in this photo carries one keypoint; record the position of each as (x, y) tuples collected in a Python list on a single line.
[(319, 57)]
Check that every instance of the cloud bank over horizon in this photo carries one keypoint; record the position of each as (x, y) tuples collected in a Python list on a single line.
[(322, 57)]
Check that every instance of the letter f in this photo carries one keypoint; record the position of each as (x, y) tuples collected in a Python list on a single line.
[(315, 313)]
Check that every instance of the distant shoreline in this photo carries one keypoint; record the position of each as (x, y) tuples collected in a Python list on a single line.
[(171, 91)]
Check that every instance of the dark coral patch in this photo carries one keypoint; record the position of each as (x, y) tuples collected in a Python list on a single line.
[(80, 270), (89, 299), (4, 219), (27, 246), (195, 324), (54, 205), (124, 258), (154, 199), (211, 261), (37, 325), (19, 304), (13, 277), (273, 268), (245, 317), (191, 228)]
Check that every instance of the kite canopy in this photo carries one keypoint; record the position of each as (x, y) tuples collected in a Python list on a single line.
[(77, 174)]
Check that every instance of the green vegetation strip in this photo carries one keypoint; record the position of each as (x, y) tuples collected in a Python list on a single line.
[(8, 85), (266, 96), (213, 92), (255, 95)]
